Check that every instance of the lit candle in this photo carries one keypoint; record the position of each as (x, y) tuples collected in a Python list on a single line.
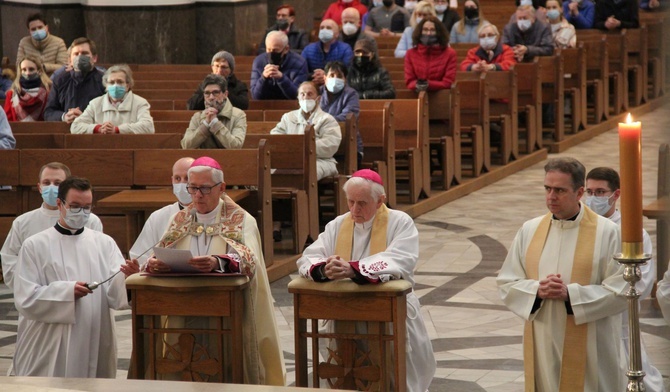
[(631, 180)]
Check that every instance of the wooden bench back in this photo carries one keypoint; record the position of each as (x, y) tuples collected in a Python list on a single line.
[(378, 134), (39, 127), (663, 170), (172, 115)]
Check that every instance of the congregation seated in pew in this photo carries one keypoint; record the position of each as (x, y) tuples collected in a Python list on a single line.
[(366, 74), (466, 29), (27, 98), (285, 22), (527, 36), (220, 125), (119, 110), (562, 31), (431, 64), (277, 73), (328, 48), (491, 54), (223, 64), (422, 10), (41, 44), (616, 15), (580, 14), (351, 28)]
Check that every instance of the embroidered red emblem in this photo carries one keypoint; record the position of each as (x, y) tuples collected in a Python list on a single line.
[(377, 266)]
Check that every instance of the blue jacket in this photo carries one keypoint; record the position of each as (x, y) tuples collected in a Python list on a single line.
[(71, 90), (294, 70), (587, 14), (343, 103), (317, 58), (5, 85)]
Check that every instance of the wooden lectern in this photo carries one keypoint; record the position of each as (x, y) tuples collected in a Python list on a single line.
[(366, 339), (187, 328)]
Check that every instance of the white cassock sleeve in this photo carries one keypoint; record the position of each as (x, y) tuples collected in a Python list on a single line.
[(115, 289), (663, 295)]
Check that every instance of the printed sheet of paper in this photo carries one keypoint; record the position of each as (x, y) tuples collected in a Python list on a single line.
[(177, 259)]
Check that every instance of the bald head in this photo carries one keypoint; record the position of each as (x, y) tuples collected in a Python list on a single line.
[(330, 25), (351, 15), (180, 170)]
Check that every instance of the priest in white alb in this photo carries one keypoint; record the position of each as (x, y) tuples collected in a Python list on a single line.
[(663, 295), (158, 221), (224, 238), (42, 218), (67, 329), (560, 276), (372, 244)]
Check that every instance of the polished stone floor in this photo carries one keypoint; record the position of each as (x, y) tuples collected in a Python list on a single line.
[(476, 340)]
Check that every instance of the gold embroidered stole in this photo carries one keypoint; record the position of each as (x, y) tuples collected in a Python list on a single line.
[(345, 237), (573, 361)]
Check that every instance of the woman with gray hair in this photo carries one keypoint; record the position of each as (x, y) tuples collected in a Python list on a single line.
[(223, 64), (118, 111)]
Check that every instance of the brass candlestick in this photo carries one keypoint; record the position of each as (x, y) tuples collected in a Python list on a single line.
[(632, 257)]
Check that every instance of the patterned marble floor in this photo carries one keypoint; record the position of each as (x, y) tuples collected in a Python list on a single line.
[(477, 341)]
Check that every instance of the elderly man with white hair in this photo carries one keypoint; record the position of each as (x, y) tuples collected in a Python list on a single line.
[(118, 111), (224, 238), (277, 73), (528, 37), (372, 244)]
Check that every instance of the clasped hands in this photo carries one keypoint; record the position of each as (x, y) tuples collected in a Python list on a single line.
[(519, 52), (612, 23), (337, 269), (272, 71), (130, 267), (483, 66), (553, 288), (107, 127)]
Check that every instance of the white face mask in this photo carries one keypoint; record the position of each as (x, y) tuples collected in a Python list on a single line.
[(349, 28), (523, 24), (183, 196), (488, 43), (440, 8), (410, 5), (307, 105), (526, 2), (76, 220), (599, 204)]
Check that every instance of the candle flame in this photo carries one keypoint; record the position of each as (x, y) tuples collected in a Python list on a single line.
[(629, 119)]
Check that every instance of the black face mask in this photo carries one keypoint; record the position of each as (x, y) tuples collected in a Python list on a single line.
[(282, 24), (28, 83), (428, 40), (471, 13), (362, 61), (275, 58)]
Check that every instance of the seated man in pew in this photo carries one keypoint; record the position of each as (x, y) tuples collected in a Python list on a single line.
[(223, 64), (527, 36), (328, 48), (220, 125), (326, 128), (155, 226), (616, 15), (48, 48), (74, 89), (297, 38), (372, 244), (42, 218), (351, 28), (338, 99), (118, 111), (277, 73), (224, 238), (491, 54)]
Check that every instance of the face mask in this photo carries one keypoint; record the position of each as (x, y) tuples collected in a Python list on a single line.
[(282, 24), (116, 92), (31, 76), (599, 204), (440, 8), (387, 3), (523, 24), (349, 28), (39, 35), (307, 105), (410, 5), (526, 2), (82, 63), (275, 58), (335, 85), (325, 35), (553, 14), (184, 197), (471, 13), (488, 43), (361, 61), (76, 220), (50, 194), (428, 40)]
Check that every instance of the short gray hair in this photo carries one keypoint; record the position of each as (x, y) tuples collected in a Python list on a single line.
[(217, 175), (570, 166), (277, 34), (376, 190), (119, 68), (488, 25), (223, 55)]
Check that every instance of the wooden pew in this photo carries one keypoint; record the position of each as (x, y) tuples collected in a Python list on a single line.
[(249, 167), (617, 61), (636, 41), (445, 133), (501, 90), (574, 66), (378, 133), (39, 140), (294, 178), (10, 199), (655, 48), (597, 78), (475, 127), (173, 115), (529, 90), (39, 127), (173, 94), (552, 78)]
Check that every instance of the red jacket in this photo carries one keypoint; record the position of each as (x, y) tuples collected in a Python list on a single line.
[(435, 63), (503, 58), (335, 9)]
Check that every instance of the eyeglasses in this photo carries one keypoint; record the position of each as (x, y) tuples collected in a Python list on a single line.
[(205, 190), (597, 192), (77, 209), (214, 93)]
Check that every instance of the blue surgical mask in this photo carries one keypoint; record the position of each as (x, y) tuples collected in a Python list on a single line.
[(76, 220), (115, 91), (553, 14), (326, 35), (526, 2), (524, 24), (599, 204), (335, 85), (39, 35), (50, 194), (183, 196)]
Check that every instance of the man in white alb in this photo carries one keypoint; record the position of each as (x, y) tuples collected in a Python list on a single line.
[(373, 244), (155, 226), (67, 329), (602, 192), (39, 219), (559, 276)]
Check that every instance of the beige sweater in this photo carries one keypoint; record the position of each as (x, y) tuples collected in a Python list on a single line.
[(51, 51)]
